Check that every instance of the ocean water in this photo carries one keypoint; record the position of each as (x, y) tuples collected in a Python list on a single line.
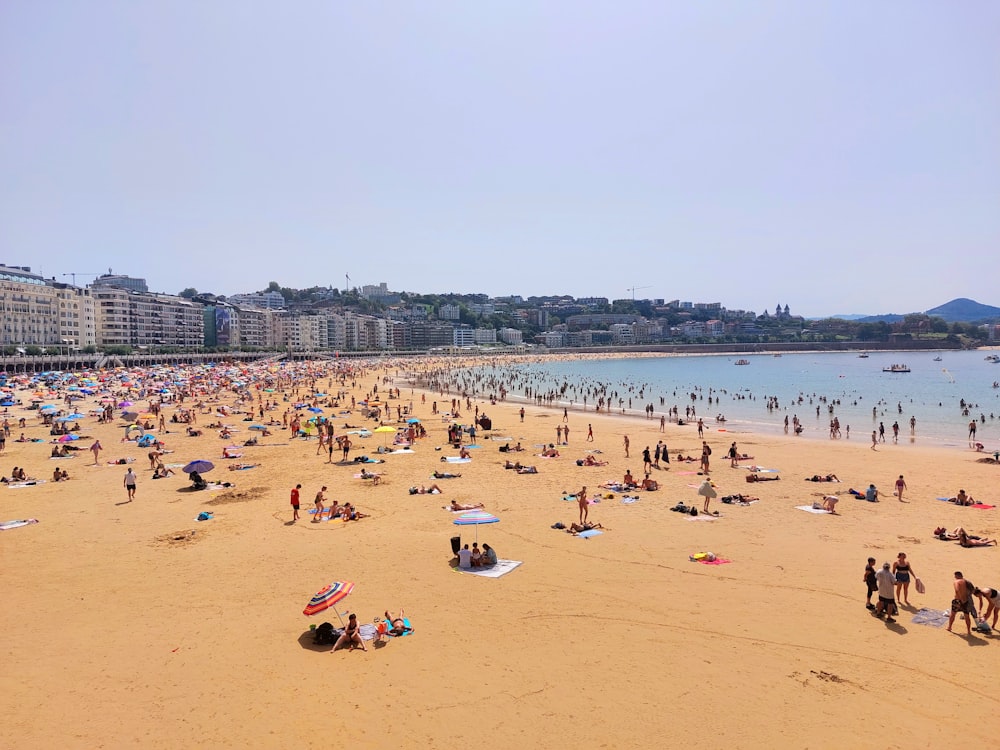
[(841, 384)]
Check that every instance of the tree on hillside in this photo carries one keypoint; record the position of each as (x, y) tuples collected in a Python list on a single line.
[(188, 293)]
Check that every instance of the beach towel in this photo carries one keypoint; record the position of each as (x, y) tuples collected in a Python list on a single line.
[(19, 485), (629, 500), (936, 618), (703, 517), (384, 627), (502, 568), (7, 525), (707, 558), (401, 450), (810, 509), (457, 460), (983, 506), (589, 533)]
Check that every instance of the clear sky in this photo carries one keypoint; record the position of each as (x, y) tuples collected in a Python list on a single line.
[(840, 157)]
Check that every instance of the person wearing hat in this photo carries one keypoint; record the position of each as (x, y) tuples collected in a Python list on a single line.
[(886, 583)]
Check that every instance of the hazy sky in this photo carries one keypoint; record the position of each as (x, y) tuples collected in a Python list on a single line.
[(837, 156)]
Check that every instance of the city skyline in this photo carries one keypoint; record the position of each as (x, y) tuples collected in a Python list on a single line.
[(841, 159)]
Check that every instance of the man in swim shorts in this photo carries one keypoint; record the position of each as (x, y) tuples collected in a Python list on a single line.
[(886, 583), (962, 602)]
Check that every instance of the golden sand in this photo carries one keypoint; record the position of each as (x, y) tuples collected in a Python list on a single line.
[(133, 625)]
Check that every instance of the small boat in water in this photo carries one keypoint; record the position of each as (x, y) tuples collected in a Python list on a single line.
[(742, 362), (863, 355), (994, 358), (896, 368), (937, 359)]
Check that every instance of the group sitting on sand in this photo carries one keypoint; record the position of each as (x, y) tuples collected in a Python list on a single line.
[(476, 557), (550, 452), (520, 468)]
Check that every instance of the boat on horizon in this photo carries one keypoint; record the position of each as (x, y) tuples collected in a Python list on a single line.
[(896, 368), (863, 355), (742, 362), (937, 359), (994, 358)]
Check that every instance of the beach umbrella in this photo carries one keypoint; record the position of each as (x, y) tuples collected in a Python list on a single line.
[(8, 402), (412, 421), (327, 597), (68, 438), (71, 417), (129, 416), (475, 518), (199, 465), (123, 404), (259, 427), (385, 429)]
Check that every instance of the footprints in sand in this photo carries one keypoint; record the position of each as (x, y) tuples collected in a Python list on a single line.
[(241, 496), (822, 676), (177, 539)]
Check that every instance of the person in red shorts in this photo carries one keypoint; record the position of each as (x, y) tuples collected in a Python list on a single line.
[(295, 502)]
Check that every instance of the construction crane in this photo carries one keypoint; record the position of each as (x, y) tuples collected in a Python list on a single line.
[(633, 288), (74, 275)]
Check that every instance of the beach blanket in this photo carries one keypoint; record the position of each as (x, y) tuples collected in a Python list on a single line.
[(589, 533), (384, 627), (936, 618), (7, 525), (401, 450), (704, 559), (810, 509), (983, 506), (629, 500), (703, 517), (760, 470), (502, 568), (59, 458), (456, 460), (19, 485)]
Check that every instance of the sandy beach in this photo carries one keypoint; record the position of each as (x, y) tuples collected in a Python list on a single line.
[(134, 625)]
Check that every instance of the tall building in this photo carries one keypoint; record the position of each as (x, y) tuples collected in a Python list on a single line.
[(265, 300), (29, 308), (121, 281), (127, 318)]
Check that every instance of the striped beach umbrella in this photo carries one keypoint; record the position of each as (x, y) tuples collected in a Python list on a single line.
[(327, 597), (475, 518)]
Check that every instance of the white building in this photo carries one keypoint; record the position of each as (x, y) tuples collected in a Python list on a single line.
[(265, 300), (449, 312), (510, 336), (484, 335), (464, 336)]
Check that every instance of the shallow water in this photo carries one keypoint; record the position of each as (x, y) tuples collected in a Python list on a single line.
[(841, 384)]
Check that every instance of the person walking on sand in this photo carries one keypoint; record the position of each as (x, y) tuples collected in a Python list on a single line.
[(734, 455), (647, 461), (962, 602), (701, 428), (590, 433), (871, 582), (874, 439), (581, 500), (129, 483), (320, 498), (295, 502), (900, 486), (522, 413), (96, 449), (705, 453), (626, 446), (902, 571)]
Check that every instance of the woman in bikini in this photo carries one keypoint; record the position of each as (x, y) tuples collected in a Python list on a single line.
[(902, 571), (352, 634)]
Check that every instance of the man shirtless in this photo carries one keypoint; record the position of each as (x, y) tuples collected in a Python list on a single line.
[(962, 602), (320, 499), (455, 505)]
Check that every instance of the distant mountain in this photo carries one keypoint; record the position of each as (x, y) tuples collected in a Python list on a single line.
[(964, 310)]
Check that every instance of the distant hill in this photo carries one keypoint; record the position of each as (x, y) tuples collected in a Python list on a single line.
[(887, 318), (964, 310)]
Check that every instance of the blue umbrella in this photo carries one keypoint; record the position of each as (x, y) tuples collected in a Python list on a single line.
[(71, 417), (199, 465), (256, 426)]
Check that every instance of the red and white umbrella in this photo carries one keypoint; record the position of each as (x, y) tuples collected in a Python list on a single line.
[(327, 597)]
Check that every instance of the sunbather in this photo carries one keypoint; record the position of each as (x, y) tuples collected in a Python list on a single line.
[(393, 626), (421, 490), (962, 499), (650, 485), (351, 636), (445, 475), (455, 505), (966, 541), (576, 528), (760, 478), (527, 470), (590, 461), (823, 478)]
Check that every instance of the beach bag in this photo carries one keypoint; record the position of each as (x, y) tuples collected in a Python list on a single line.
[(693, 511), (324, 635), (708, 450), (920, 586)]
